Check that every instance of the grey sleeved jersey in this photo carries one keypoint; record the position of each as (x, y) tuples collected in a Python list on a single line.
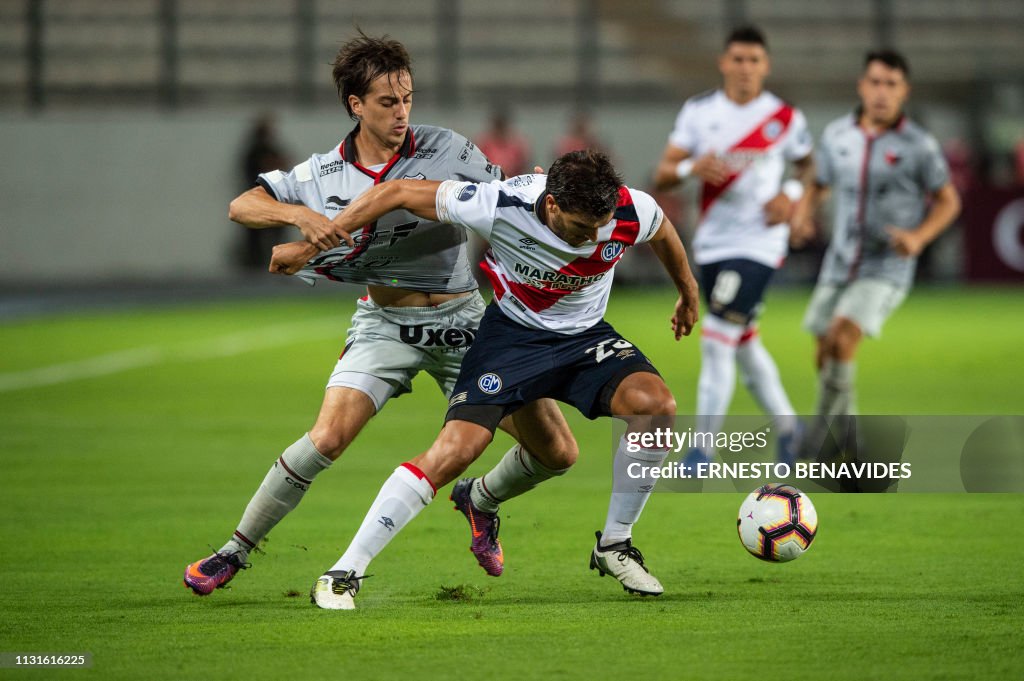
[(878, 181), (400, 249)]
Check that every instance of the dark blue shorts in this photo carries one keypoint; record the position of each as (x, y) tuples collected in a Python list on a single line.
[(509, 365), (734, 289)]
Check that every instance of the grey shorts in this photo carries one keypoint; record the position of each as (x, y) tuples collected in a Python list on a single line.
[(387, 346), (868, 302)]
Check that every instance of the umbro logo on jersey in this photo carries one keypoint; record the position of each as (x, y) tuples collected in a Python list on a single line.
[(489, 383), (336, 202), (528, 244), (417, 176), (467, 193), (892, 157)]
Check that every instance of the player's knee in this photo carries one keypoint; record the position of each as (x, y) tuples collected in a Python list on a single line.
[(647, 395), (559, 453), (845, 336), (330, 442)]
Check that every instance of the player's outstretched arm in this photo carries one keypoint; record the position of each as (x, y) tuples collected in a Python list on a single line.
[(670, 252), (257, 209), (419, 197), (945, 207)]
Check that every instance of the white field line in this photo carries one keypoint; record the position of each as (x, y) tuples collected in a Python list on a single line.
[(135, 358)]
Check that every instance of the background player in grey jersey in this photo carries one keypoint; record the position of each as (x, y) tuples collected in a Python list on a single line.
[(422, 308), (886, 170)]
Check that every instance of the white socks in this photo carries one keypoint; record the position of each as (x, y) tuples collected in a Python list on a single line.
[(761, 376), (403, 496), (724, 345), (281, 491), (516, 473), (718, 341), (629, 492)]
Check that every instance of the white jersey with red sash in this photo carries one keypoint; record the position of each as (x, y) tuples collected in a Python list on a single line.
[(539, 280), (755, 140)]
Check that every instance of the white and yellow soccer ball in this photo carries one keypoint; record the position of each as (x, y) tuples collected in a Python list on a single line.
[(777, 523)]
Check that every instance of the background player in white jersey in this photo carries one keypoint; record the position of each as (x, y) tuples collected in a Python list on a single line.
[(893, 198), (422, 307), (737, 141), (554, 241)]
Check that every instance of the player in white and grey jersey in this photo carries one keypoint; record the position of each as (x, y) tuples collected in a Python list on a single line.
[(422, 308), (400, 250), (893, 197)]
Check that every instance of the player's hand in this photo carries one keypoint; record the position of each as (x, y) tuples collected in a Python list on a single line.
[(778, 210), (342, 229), (711, 169), (801, 225), (289, 258), (318, 230), (905, 242), (686, 314)]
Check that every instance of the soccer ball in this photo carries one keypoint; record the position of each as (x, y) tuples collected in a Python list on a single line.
[(777, 523)]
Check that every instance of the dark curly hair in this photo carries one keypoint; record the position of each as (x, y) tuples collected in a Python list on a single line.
[(584, 182)]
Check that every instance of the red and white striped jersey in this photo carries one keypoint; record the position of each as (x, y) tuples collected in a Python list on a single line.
[(539, 280), (755, 140)]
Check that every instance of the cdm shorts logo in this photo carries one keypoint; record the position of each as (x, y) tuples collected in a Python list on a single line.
[(612, 250), (466, 193), (489, 383)]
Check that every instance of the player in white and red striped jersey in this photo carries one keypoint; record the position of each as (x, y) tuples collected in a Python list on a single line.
[(539, 279), (555, 241), (738, 141)]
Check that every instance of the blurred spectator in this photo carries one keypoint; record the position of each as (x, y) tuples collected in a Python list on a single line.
[(961, 165), (262, 153), (503, 145), (580, 135)]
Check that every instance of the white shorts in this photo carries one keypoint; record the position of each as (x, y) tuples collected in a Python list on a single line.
[(387, 346), (868, 302)]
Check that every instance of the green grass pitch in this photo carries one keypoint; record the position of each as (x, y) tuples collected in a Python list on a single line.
[(112, 482)]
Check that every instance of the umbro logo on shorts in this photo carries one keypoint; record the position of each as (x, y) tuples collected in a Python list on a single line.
[(458, 399), (489, 383)]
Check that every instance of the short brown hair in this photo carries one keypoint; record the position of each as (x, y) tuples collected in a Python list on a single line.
[(584, 182), (363, 59)]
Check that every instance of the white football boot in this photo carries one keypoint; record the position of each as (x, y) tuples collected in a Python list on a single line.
[(335, 590), (624, 562)]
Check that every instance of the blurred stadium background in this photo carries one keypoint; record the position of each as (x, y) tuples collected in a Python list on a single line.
[(123, 121), (131, 438)]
